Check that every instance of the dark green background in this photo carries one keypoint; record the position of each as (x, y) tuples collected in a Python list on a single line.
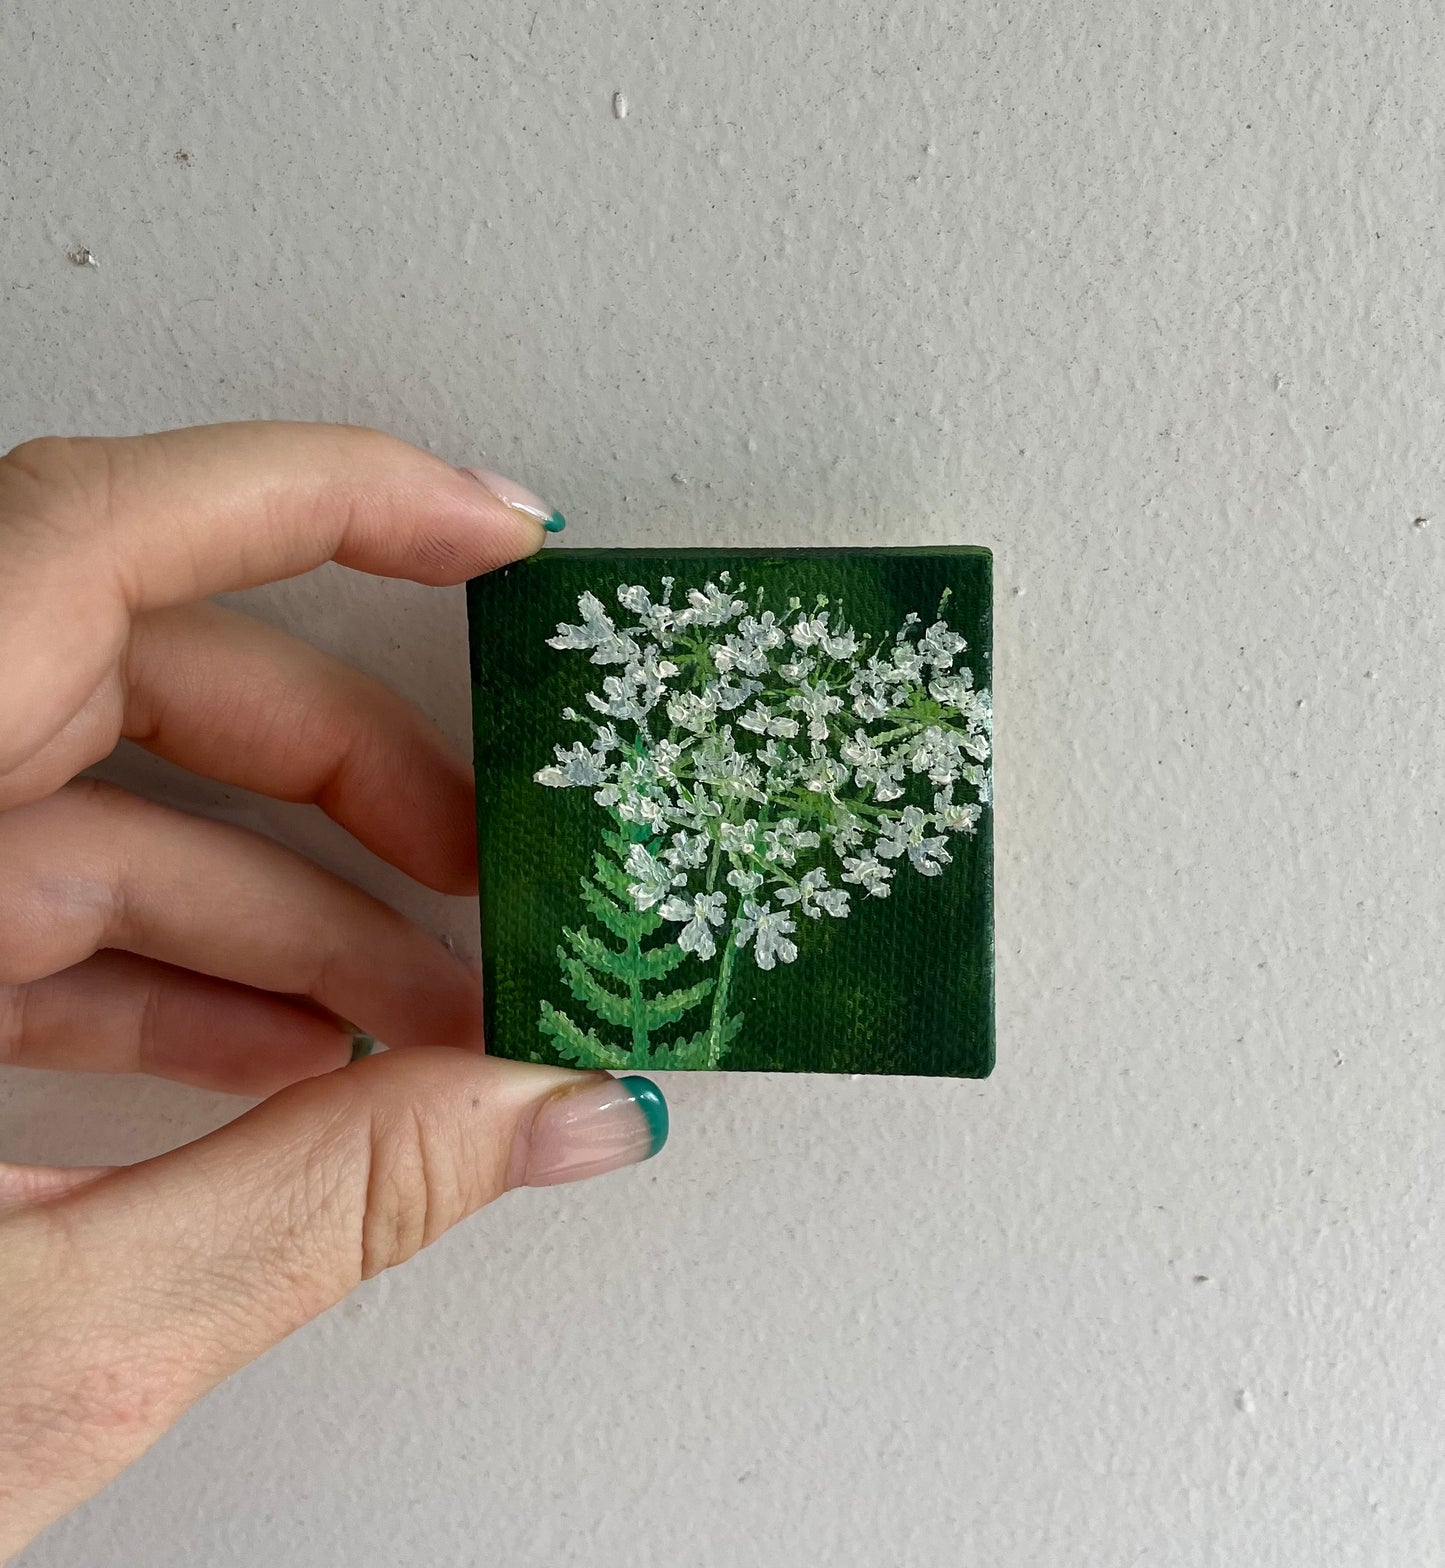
[(904, 984)]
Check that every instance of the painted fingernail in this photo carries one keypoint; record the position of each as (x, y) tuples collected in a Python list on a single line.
[(519, 498), (593, 1130)]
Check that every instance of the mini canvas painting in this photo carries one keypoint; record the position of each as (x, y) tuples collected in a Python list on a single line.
[(735, 809)]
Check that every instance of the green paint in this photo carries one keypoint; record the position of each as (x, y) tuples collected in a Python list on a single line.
[(555, 523), (904, 985), (652, 1105), (361, 1045)]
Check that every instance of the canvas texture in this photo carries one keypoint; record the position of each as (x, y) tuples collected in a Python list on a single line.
[(735, 809)]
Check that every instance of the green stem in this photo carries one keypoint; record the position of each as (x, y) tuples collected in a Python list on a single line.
[(719, 1014), (638, 1003)]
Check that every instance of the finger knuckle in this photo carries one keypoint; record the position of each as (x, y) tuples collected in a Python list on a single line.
[(413, 1192), (41, 478)]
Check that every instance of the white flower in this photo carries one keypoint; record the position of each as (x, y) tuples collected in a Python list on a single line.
[(618, 700), (785, 840), (730, 695), (762, 629), (907, 664), (645, 812), (768, 930), (797, 671), (871, 768), (847, 831), (710, 606), (836, 642), (815, 703), (740, 838), (936, 753), (823, 774), (651, 880), (869, 873), (578, 766), (649, 676), (746, 882), (808, 632), (908, 834), (762, 721), (701, 914), (978, 778), (718, 763), (597, 633), (953, 691), (666, 755), (691, 710), (940, 646), (814, 897), (655, 618), (960, 818), (688, 851), (860, 752)]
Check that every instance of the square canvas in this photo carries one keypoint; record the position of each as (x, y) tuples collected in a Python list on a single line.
[(735, 809)]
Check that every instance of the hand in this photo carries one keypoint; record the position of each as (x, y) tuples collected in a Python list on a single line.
[(137, 939)]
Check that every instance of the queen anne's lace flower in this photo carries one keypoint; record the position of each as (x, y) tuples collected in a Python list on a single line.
[(869, 873), (652, 881), (816, 703), (702, 911), (596, 633), (688, 851), (756, 749), (908, 834), (940, 646), (768, 930), (814, 897)]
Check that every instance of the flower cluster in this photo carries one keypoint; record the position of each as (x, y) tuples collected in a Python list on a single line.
[(777, 762)]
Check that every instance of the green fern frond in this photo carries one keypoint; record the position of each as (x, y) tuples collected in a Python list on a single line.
[(612, 877), (610, 972), (623, 921), (580, 1046), (627, 967), (598, 998), (668, 1008)]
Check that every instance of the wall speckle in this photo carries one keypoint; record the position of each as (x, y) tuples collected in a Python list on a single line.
[(1146, 298)]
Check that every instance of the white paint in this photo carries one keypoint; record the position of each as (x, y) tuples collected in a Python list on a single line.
[(619, 106), (1159, 321)]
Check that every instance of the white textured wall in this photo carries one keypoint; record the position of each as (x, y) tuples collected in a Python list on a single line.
[(1146, 297)]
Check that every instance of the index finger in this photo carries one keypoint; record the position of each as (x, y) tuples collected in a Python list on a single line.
[(94, 531)]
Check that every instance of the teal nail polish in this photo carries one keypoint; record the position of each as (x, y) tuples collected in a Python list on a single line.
[(652, 1105), (364, 1045), (555, 523)]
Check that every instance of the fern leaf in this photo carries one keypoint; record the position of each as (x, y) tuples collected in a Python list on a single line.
[(612, 877), (584, 985), (626, 966), (669, 1007), (657, 964), (578, 1045), (625, 923), (618, 844), (682, 1054)]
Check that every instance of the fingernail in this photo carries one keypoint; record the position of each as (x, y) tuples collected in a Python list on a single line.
[(519, 498), (593, 1130)]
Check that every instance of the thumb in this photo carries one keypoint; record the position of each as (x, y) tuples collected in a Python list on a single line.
[(129, 1296)]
